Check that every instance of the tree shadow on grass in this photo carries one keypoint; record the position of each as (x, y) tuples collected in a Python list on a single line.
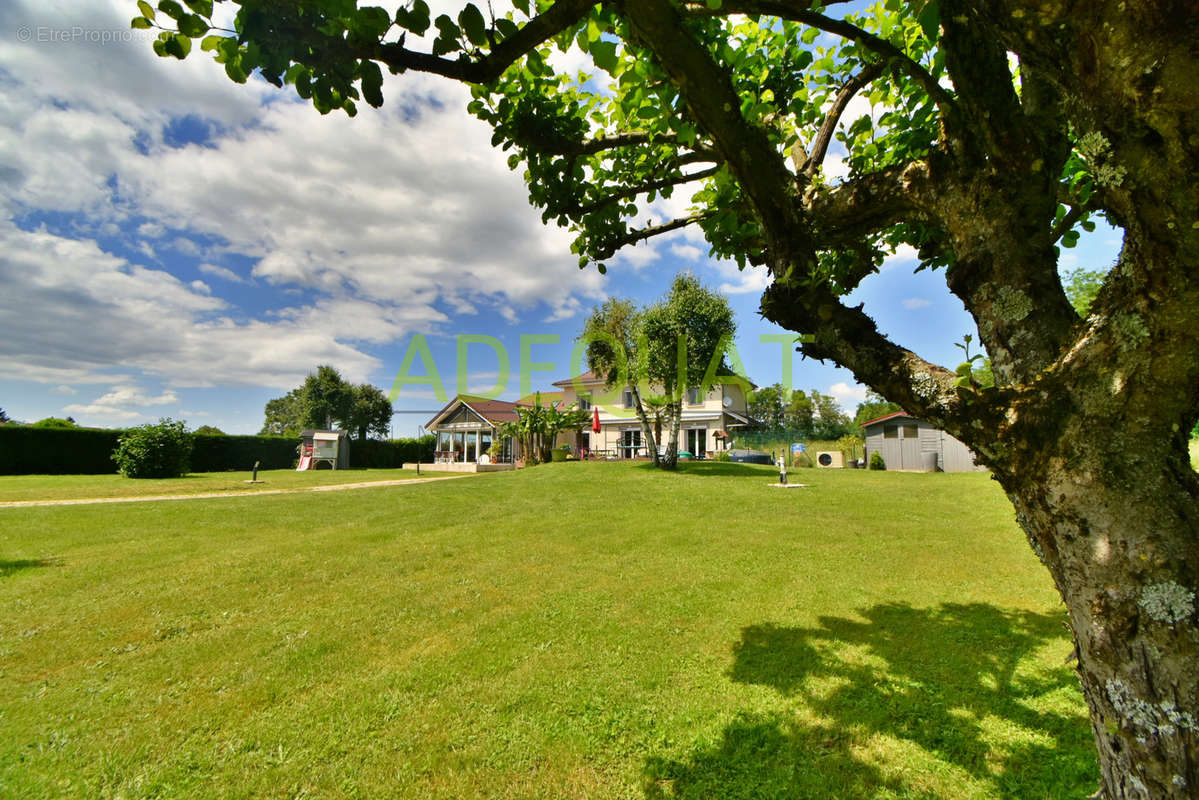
[(11, 567), (725, 469), (958, 682)]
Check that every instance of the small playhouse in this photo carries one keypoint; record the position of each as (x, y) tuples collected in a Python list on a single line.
[(324, 447)]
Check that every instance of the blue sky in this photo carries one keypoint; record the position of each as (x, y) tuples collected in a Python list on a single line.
[(173, 244)]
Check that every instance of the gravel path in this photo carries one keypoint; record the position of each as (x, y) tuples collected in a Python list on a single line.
[(154, 498)]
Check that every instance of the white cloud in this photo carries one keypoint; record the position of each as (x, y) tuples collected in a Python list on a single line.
[(848, 396), (904, 255), (638, 256), (739, 281), (383, 217), (64, 389), (121, 403), (836, 169), (96, 310), (914, 303), (688, 251), (224, 273)]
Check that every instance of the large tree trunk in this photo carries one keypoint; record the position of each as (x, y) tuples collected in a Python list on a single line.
[(675, 410), (1116, 525), (647, 430)]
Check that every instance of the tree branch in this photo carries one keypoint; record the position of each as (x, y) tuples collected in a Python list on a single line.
[(714, 103), (641, 234), (857, 208), (1066, 223), (849, 337), (560, 16), (825, 135), (802, 12), (629, 192)]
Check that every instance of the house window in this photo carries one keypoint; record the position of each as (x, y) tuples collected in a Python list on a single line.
[(584, 403), (693, 397), (911, 431), (890, 431), (627, 398)]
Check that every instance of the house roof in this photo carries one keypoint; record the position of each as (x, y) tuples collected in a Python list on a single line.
[(493, 411), (885, 417), (587, 377), (546, 398)]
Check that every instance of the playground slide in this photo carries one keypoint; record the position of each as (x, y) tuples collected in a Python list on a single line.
[(305, 463)]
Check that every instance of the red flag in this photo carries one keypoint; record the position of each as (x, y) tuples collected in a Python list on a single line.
[(595, 426)]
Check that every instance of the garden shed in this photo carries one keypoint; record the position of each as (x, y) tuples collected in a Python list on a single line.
[(907, 443)]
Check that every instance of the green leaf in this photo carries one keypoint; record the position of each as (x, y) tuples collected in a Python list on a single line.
[(372, 83), (809, 35), (211, 43), (714, 4), (472, 23), (178, 46), (193, 26), (372, 22), (415, 19), (171, 9), (235, 72), (604, 54), (140, 23), (146, 9), (930, 20), (201, 7)]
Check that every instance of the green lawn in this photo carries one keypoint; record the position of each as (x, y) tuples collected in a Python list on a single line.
[(70, 487), (569, 631)]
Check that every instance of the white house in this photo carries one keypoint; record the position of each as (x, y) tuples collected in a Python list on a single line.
[(707, 419)]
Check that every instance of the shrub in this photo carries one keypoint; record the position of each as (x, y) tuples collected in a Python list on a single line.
[(154, 451), (876, 461), (722, 455), (803, 461), (55, 422), (558, 454)]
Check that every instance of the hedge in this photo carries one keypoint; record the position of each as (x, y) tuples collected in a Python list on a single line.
[(86, 451), (56, 451), (375, 454), (215, 453)]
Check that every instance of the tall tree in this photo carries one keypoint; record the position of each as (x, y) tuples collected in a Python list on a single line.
[(616, 352), (831, 421), (370, 412), (766, 405), (1006, 124), (873, 407), (686, 336), (325, 398), (284, 415), (799, 413), (1082, 287)]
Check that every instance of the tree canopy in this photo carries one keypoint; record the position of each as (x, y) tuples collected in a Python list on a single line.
[(661, 351), (324, 399), (1000, 128)]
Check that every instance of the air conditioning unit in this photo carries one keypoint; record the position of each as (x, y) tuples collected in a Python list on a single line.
[(830, 459)]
